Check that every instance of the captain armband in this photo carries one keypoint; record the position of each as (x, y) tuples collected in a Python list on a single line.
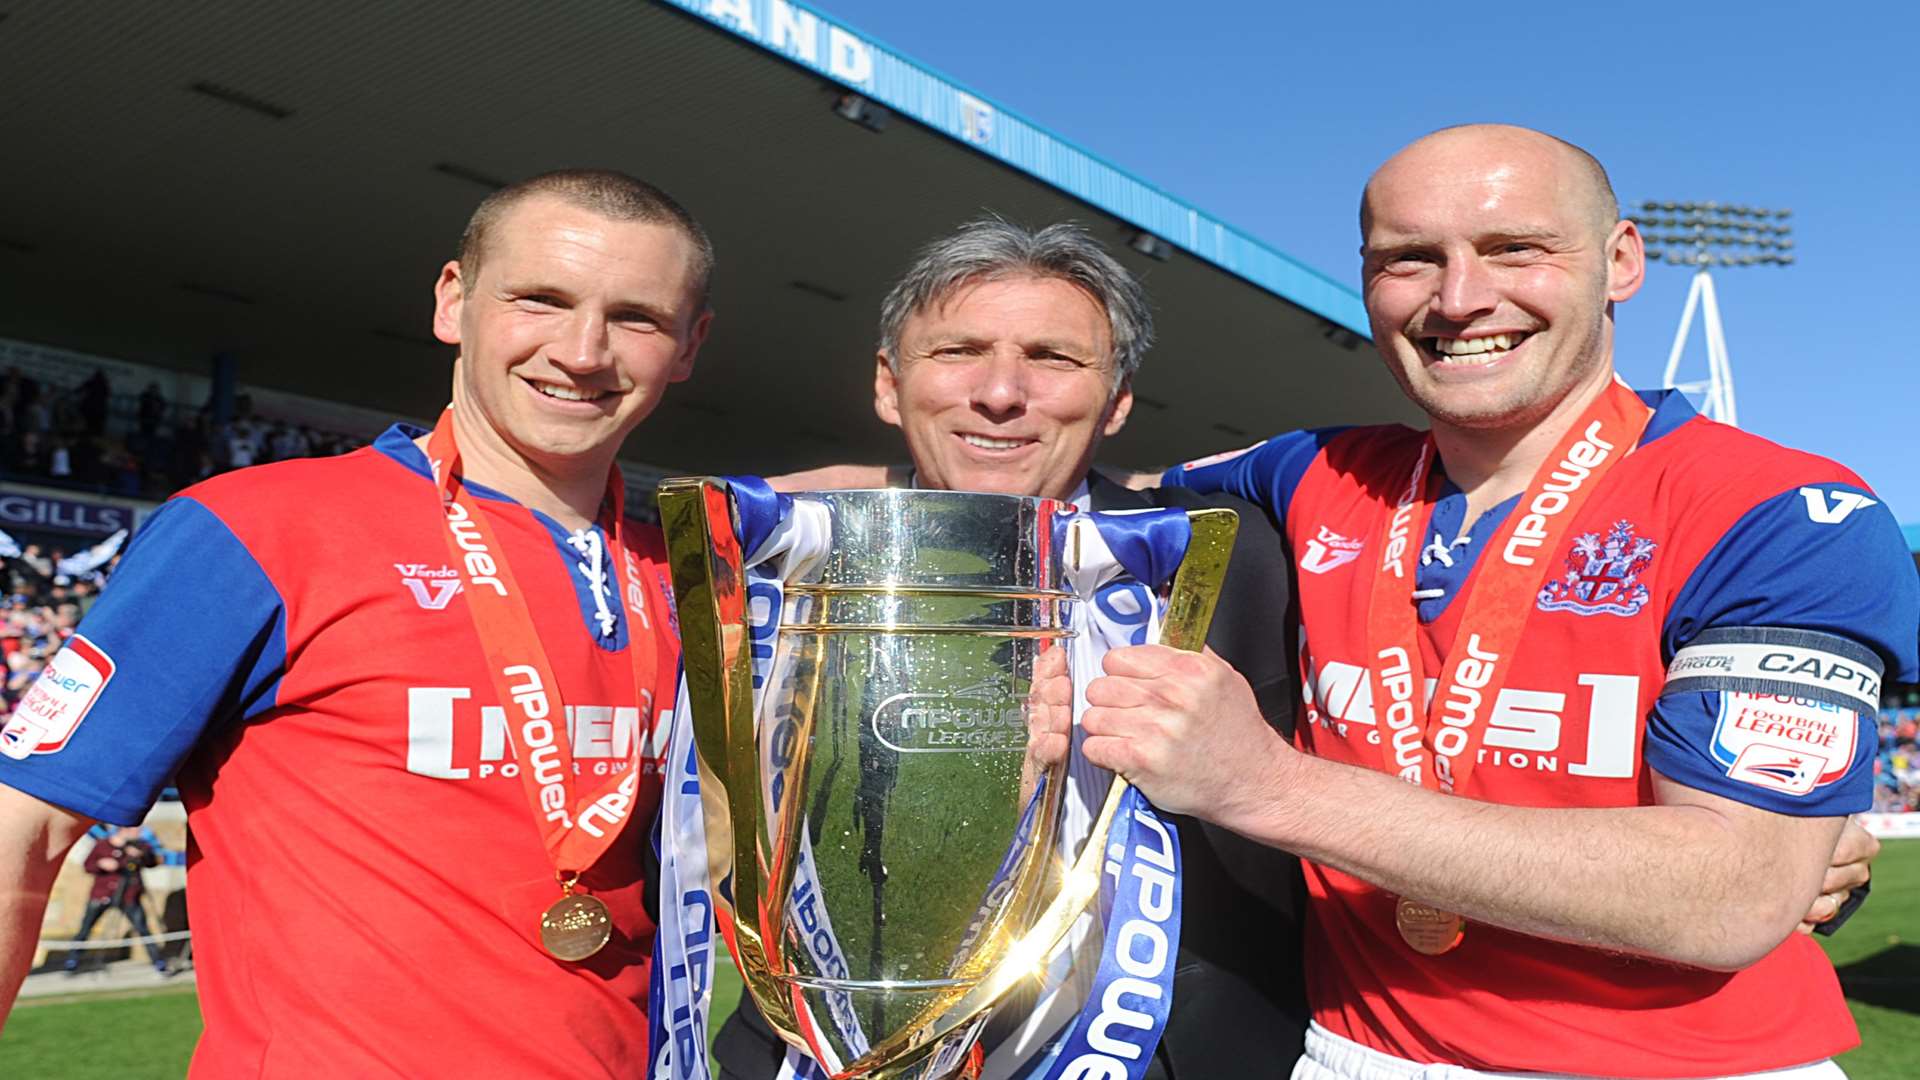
[(1779, 661)]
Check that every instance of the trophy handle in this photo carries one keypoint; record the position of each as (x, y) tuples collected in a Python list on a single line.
[(709, 585), (1190, 606), (1197, 584)]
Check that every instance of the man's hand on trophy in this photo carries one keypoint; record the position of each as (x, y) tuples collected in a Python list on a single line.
[(1049, 718), (1185, 729)]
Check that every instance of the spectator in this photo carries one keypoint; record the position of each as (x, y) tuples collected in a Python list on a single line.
[(37, 562), (10, 389), (33, 453), (290, 441), (242, 448), (66, 415), (115, 864), (95, 394), (123, 474), (32, 411), (151, 411)]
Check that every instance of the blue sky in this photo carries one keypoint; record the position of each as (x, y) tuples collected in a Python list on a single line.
[(1271, 116)]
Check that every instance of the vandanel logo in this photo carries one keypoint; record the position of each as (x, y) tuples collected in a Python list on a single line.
[(1329, 551), (433, 587)]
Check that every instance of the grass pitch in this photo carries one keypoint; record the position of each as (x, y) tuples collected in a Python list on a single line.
[(151, 1036), (148, 1035), (1878, 957)]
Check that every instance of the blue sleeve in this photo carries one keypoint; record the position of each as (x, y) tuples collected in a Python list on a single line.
[(1264, 474), (189, 633), (1826, 558)]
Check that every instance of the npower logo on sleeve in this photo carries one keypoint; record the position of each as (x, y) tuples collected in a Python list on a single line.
[(58, 700)]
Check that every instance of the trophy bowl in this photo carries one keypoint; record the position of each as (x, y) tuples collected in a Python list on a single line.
[(868, 793)]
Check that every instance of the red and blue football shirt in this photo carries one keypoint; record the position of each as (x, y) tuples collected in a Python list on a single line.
[(1701, 531), (366, 875)]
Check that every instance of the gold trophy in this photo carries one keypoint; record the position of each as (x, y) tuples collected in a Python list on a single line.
[(884, 851)]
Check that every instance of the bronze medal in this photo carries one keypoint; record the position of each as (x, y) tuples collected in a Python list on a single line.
[(1427, 929), (575, 927)]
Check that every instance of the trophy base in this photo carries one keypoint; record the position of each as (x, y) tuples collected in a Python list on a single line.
[(841, 1012)]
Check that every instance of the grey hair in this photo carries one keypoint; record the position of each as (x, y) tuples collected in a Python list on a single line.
[(992, 248)]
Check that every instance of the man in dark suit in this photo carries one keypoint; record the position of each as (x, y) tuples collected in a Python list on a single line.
[(1005, 356)]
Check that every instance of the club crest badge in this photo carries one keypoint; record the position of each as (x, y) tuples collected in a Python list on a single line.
[(1603, 575)]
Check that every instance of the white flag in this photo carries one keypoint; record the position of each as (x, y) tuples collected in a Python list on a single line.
[(86, 562)]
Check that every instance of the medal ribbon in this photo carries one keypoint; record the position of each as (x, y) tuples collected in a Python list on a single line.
[(576, 829), (1436, 745)]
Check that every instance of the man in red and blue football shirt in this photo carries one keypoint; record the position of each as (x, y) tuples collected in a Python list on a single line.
[(413, 725), (1589, 678)]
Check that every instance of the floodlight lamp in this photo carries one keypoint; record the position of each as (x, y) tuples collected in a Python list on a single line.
[(1653, 254), (1150, 245), (857, 109), (1341, 336), (1649, 205)]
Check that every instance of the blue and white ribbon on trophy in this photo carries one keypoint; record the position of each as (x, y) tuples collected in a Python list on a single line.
[(783, 540), (683, 954), (1104, 1002)]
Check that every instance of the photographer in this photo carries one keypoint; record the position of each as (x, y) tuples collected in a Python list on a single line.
[(115, 863)]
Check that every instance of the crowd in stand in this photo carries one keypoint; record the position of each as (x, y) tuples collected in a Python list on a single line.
[(1896, 768), (143, 446), (40, 611), (88, 437)]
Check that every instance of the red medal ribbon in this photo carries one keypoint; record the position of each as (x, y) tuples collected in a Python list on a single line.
[(576, 828), (1437, 745)]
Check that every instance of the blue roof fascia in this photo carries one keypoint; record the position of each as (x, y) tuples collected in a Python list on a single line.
[(800, 34)]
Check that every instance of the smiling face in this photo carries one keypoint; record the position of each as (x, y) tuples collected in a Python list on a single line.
[(1006, 386), (569, 333), (1490, 265)]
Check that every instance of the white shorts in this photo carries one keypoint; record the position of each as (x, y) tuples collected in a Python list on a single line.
[(1330, 1057)]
